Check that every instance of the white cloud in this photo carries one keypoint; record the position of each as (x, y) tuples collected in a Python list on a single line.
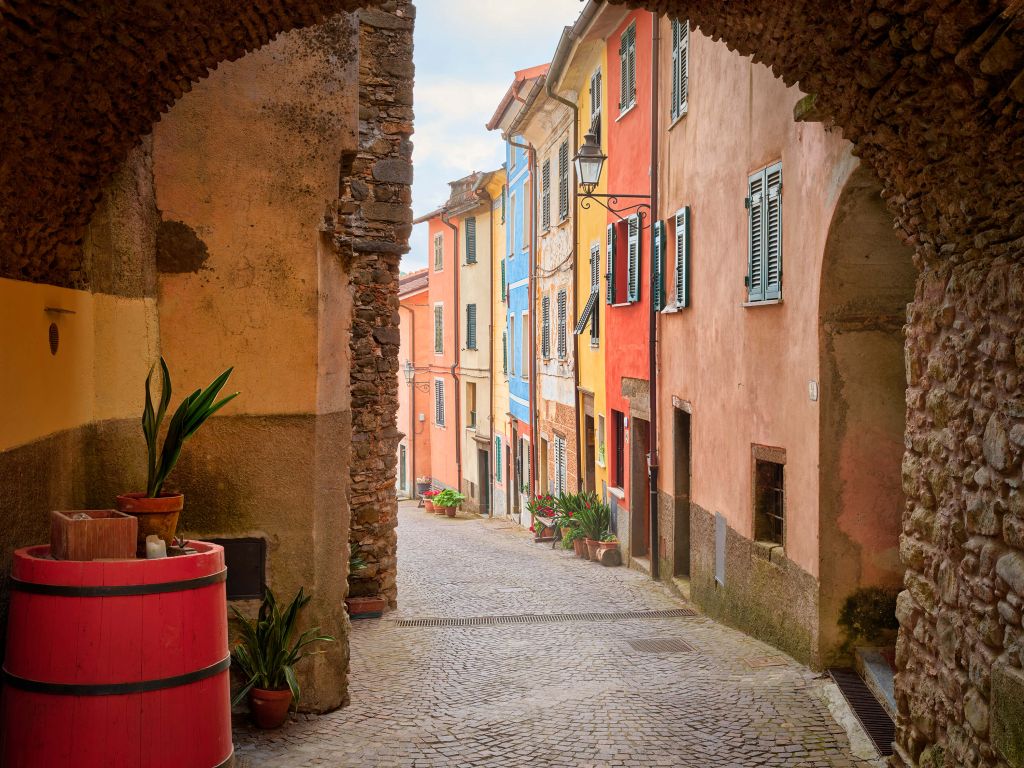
[(509, 18)]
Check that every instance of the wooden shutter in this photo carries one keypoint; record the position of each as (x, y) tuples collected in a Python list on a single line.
[(682, 258), (682, 67), (675, 69), (504, 293), (438, 329), (773, 232), (563, 181), (624, 72), (610, 274), (439, 402), (657, 264), (595, 104), (497, 459), (504, 196), (470, 227), (504, 352), (755, 237), (595, 267), (633, 259), (545, 200), (471, 326), (545, 327), (631, 65), (438, 252), (562, 346)]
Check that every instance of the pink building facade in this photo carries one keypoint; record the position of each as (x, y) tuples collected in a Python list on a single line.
[(414, 390)]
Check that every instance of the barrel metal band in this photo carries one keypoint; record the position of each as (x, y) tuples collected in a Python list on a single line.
[(125, 590), (115, 689)]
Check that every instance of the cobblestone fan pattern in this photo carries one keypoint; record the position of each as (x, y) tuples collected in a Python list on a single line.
[(556, 694)]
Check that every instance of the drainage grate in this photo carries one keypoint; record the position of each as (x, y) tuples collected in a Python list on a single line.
[(876, 721), (544, 618), (661, 645)]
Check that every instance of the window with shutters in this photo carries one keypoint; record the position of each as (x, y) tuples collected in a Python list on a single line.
[(524, 345), (560, 327), (560, 465), (681, 259), (504, 198), (619, 425), (471, 326), (504, 286), (563, 181), (633, 259), (439, 329), (590, 309), (545, 195), (627, 69), (658, 265), (470, 226), (596, 101), (438, 252), (439, 402), (545, 327), (504, 352), (471, 405), (497, 459), (764, 235), (612, 235), (680, 66)]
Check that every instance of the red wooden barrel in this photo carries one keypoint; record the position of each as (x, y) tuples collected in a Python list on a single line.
[(117, 664)]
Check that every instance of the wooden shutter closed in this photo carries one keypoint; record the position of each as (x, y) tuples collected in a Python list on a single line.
[(470, 227), (682, 258), (563, 181), (504, 352), (624, 72), (471, 326), (595, 104), (504, 294), (438, 329), (631, 66), (755, 236), (773, 232), (439, 402), (657, 264), (633, 259), (675, 69), (545, 327), (497, 459), (562, 345), (545, 201), (610, 274)]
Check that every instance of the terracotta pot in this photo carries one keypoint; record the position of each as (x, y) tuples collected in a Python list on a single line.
[(580, 548), (428, 505), (451, 511), (592, 545), (365, 607), (606, 546), (269, 709), (157, 516)]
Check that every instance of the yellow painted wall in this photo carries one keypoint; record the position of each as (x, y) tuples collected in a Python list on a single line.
[(499, 381)]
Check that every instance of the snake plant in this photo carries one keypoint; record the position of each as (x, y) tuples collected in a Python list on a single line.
[(191, 414)]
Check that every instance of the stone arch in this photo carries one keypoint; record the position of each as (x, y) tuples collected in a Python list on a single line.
[(867, 280)]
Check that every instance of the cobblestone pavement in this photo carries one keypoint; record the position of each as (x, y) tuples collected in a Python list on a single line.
[(572, 693)]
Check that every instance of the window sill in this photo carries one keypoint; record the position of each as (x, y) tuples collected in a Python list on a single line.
[(626, 111), (677, 119), (624, 304), (763, 303), (618, 493), (672, 309), (601, 464)]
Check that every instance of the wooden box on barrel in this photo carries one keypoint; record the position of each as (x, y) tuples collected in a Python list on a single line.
[(93, 534)]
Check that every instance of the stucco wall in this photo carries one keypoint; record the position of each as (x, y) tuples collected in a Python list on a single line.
[(443, 468)]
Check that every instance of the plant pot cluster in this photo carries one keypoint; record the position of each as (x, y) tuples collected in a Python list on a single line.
[(447, 502), (584, 521)]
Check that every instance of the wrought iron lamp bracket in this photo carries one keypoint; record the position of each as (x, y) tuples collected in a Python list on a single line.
[(642, 209)]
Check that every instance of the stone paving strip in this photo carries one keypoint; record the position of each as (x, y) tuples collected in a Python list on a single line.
[(682, 691)]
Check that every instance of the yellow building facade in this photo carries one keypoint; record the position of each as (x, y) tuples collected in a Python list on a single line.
[(499, 411)]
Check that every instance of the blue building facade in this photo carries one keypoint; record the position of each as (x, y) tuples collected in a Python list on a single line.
[(517, 277)]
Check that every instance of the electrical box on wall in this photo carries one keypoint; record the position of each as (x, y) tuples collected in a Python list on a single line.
[(812, 390)]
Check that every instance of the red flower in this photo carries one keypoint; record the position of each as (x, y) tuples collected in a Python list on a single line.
[(531, 529)]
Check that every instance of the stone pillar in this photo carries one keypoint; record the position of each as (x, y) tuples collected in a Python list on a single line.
[(375, 220)]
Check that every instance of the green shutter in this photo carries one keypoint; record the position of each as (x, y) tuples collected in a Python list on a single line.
[(675, 69), (610, 274), (682, 258), (504, 352), (773, 232), (545, 327), (624, 73), (561, 324), (755, 237), (658, 265), (683, 67), (633, 259), (504, 196), (631, 65), (470, 227), (471, 326), (545, 200), (497, 459), (563, 181), (503, 285)]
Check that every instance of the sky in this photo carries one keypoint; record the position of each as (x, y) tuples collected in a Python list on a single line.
[(466, 52)]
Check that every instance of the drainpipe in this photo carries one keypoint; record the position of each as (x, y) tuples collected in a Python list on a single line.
[(412, 397), (652, 362), (455, 365), (575, 264)]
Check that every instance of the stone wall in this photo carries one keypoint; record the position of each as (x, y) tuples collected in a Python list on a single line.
[(373, 227)]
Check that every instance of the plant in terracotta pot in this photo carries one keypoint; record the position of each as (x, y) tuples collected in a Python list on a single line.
[(157, 510), (266, 656), (608, 543), (449, 501), (428, 500), (594, 518)]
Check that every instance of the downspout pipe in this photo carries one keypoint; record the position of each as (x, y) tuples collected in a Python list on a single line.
[(557, 63), (652, 347), (458, 357)]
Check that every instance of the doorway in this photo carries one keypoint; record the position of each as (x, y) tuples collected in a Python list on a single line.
[(639, 488), (484, 475), (681, 467), (590, 454)]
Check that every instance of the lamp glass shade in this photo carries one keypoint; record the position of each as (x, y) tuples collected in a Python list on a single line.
[(589, 162), (410, 372)]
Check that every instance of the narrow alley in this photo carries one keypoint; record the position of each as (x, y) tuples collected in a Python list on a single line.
[(551, 693)]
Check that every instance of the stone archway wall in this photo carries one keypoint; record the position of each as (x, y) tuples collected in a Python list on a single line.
[(930, 94)]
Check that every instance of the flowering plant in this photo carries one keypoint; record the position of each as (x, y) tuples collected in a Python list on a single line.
[(429, 494)]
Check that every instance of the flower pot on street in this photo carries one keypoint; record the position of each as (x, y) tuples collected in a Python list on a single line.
[(451, 511), (428, 505), (157, 516), (269, 709), (603, 550), (365, 607), (580, 548), (592, 545)]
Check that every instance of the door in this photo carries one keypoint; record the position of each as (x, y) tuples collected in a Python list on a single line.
[(484, 474), (639, 486), (681, 467)]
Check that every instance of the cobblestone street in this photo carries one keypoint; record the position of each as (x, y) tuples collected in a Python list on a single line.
[(569, 693)]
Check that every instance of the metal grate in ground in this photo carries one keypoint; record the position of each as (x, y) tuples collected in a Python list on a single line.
[(544, 618), (661, 645), (872, 715)]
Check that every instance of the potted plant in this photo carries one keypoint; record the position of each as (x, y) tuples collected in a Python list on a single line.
[(266, 656), (608, 543), (367, 606), (449, 501), (157, 510), (542, 516), (594, 519), (428, 500)]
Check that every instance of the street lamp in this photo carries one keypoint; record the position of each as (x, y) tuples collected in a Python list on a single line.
[(589, 164), (410, 372)]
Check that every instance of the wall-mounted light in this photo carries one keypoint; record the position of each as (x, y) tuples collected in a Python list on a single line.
[(589, 164)]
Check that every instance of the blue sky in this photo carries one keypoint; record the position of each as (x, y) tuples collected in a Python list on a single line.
[(466, 52)]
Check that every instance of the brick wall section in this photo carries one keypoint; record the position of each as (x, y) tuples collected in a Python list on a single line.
[(931, 95), (373, 232)]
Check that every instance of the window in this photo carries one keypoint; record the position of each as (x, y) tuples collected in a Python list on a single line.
[(438, 251), (401, 468), (497, 459), (545, 195), (471, 404), (595, 104), (471, 326), (560, 328), (439, 402), (563, 181), (681, 293), (590, 310), (512, 227), (619, 425), (610, 274), (545, 327), (627, 69), (633, 259), (658, 265), (769, 495), (504, 286), (524, 372), (512, 157), (601, 459), (470, 226), (764, 260), (504, 195), (504, 352), (512, 344), (680, 65), (560, 461), (438, 329)]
